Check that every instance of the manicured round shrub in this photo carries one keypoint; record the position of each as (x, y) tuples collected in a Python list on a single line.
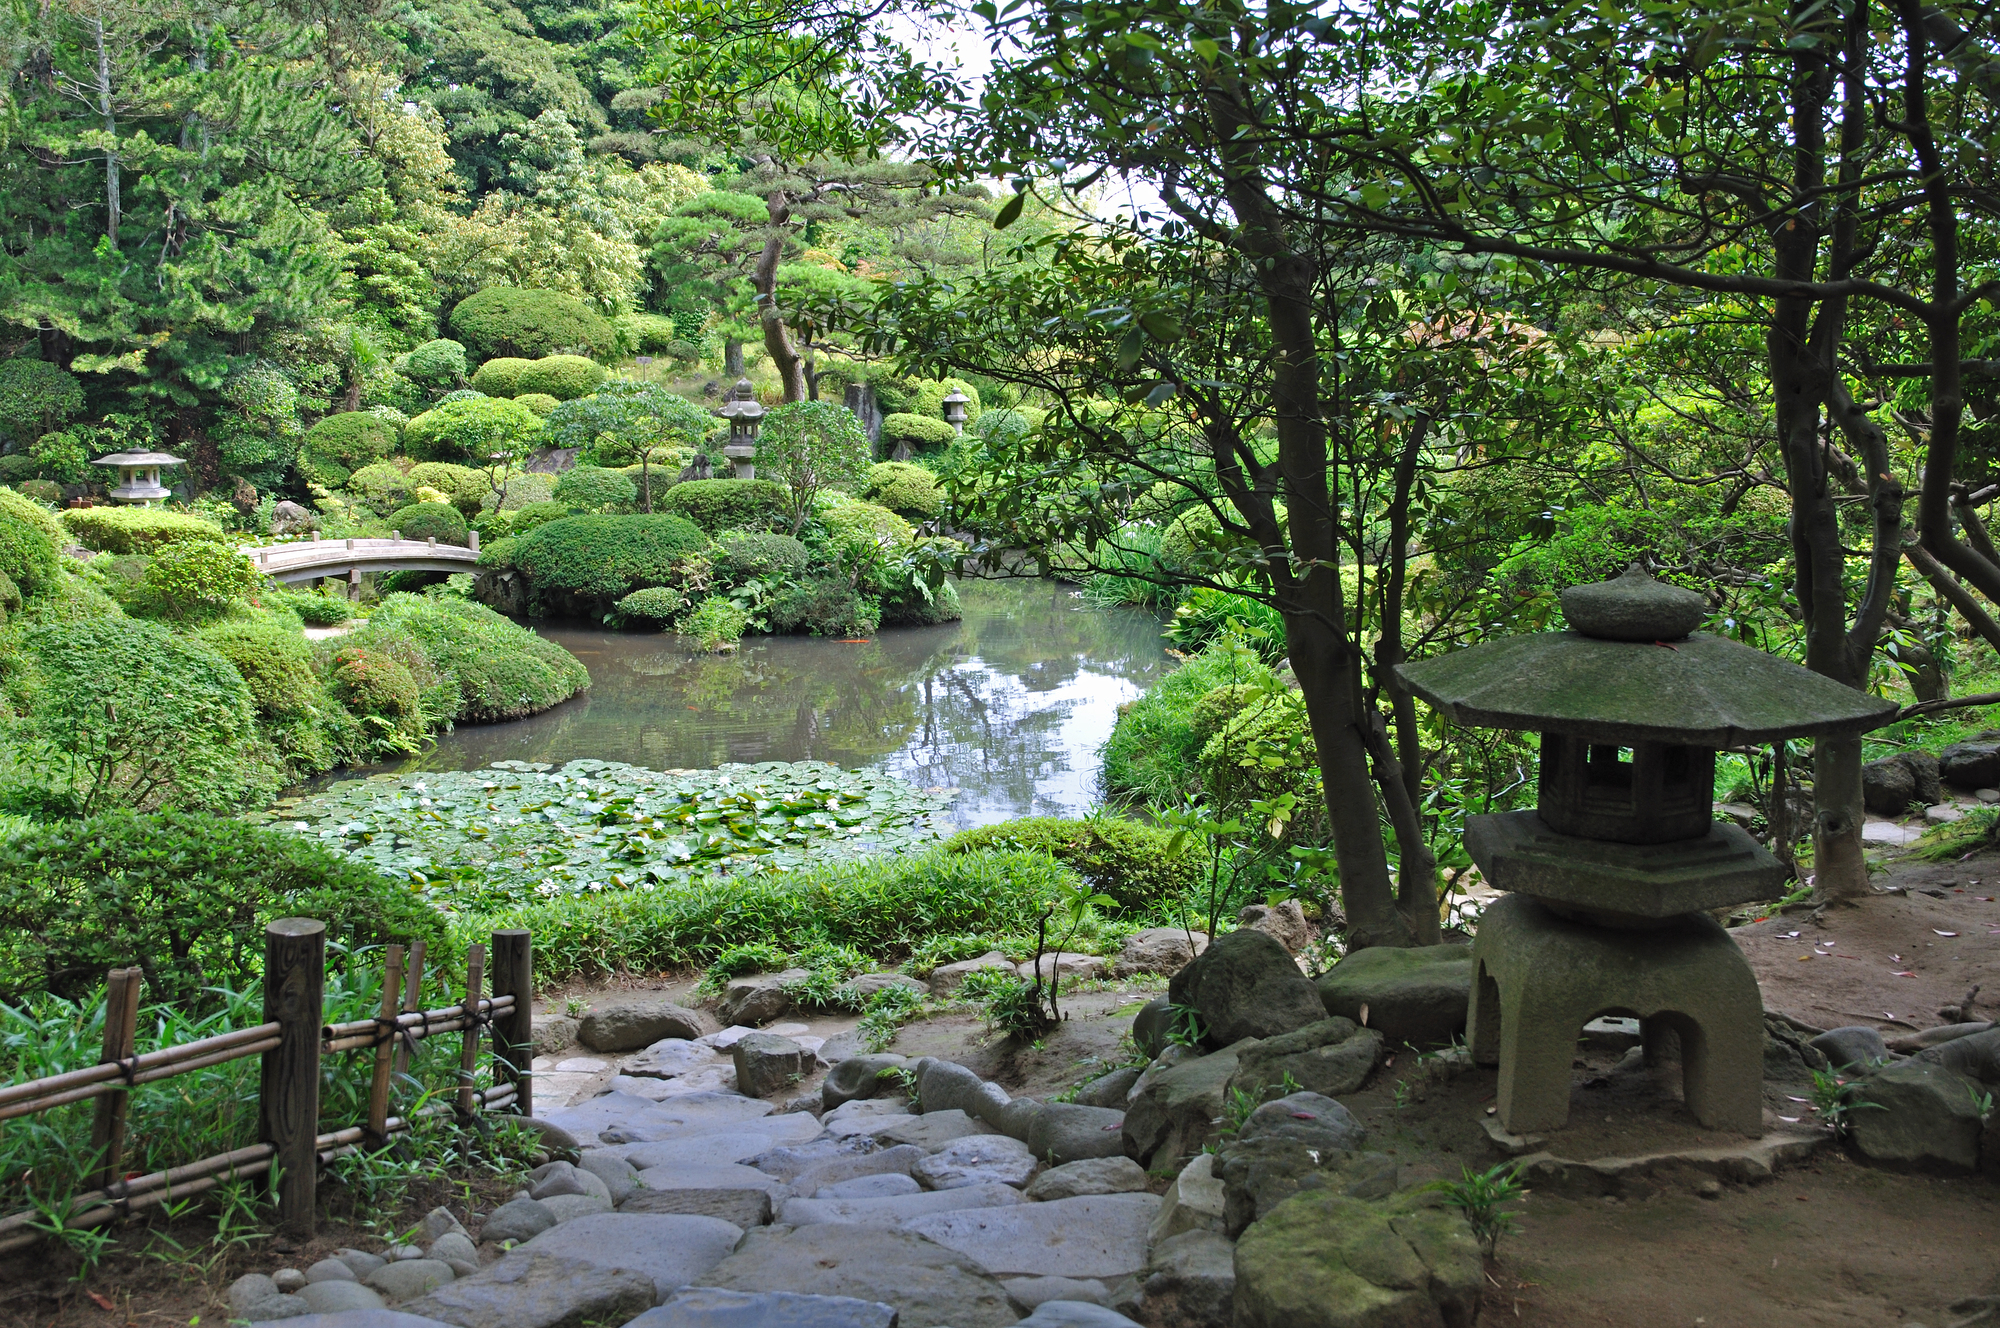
[(917, 430), (524, 488), (501, 376), (369, 682), (462, 486), (20, 466), (564, 377), (865, 531), (382, 487), (907, 490), (499, 670), (136, 529), (341, 444), (439, 363), (1123, 859), (471, 430), (29, 557), (501, 320), (275, 661), (538, 514), (436, 521), (184, 895), (198, 579), (654, 604), (384, 388), (748, 554), (928, 398), (317, 610), (719, 505), (591, 489), (541, 403), (606, 556)]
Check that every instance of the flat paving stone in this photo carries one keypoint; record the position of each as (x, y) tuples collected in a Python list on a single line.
[(713, 1307), (584, 1120), (361, 1319), (931, 1131), (1096, 1236), (899, 1161), (707, 1079), (670, 1057), (709, 1176), (898, 1209), (728, 1037), (563, 1090), (928, 1285), (540, 1291), (865, 1116), (685, 1116), (885, 1186), (744, 1208), (672, 1249), (722, 1146), (991, 1159), (1074, 1314)]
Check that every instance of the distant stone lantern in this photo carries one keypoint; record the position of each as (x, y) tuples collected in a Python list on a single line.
[(139, 476), (745, 416), (1612, 876), (954, 412)]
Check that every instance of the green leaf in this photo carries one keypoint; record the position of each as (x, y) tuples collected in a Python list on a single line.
[(1130, 347), (1161, 325), (1009, 213)]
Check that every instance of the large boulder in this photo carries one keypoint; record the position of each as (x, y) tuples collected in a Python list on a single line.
[(1322, 1260), (767, 1064), (1109, 1090), (1162, 950), (1172, 1114), (1418, 996), (1888, 787), (1916, 1116), (1064, 1132), (1246, 985), (630, 1025), (1190, 1281), (1924, 768), (1970, 765), (1096, 1175), (540, 1291), (1855, 1044), (927, 1283), (863, 1078), (1332, 1057), (758, 999), (1977, 1056), (1194, 1202), (1301, 1142)]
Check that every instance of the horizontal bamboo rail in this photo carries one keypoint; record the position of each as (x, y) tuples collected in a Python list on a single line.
[(291, 1043)]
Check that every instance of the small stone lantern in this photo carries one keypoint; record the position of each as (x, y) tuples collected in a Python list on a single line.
[(954, 412), (745, 416), (139, 476), (1612, 875)]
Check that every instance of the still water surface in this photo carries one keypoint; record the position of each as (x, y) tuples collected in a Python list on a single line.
[(1009, 705)]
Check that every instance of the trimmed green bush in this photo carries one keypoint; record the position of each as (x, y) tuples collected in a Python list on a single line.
[(927, 397), (541, 403), (564, 377), (538, 514), (907, 490), (29, 559), (917, 430), (880, 906), (197, 579), (1123, 859), (590, 489), (341, 444), (317, 610), (1155, 749), (369, 682), (463, 487), (654, 604), (865, 532), (501, 376), (501, 320), (435, 364), (747, 554), (276, 664), (136, 529), (183, 895), (608, 557), (719, 505), (435, 521), (611, 424), (471, 430), (500, 670)]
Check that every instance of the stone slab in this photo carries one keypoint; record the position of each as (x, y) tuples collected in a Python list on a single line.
[(713, 1307), (900, 1161), (709, 1176), (672, 1249), (1636, 1176), (977, 1160), (931, 1131), (540, 1291), (360, 1319), (885, 1186), (684, 1117), (928, 1285), (670, 1057), (744, 1208), (1094, 1236), (708, 1079), (885, 1214), (722, 1146)]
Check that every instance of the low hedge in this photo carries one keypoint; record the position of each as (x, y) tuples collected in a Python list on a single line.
[(136, 529), (501, 670), (438, 521), (501, 376), (606, 556), (502, 320), (183, 895), (882, 906), (1123, 859), (719, 505)]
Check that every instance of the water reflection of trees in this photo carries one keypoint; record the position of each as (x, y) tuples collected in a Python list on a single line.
[(965, 704)]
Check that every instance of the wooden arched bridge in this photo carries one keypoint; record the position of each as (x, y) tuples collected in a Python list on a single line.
[(316, 558)]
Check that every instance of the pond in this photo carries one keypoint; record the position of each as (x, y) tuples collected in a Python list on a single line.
[(1008, 705)]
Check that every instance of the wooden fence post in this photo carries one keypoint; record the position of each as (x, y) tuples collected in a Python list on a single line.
[(288, 1087), (413, 988), (385, 1051), (121, 1015), (514, 1032), (468, 1048)]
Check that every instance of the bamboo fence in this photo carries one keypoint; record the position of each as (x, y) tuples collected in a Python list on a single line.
[(291, 1041)]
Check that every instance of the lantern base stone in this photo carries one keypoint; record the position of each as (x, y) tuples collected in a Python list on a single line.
[(1539, 978)]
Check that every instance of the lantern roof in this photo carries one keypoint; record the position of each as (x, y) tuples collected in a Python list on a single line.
[(138, 459), (742, 403), (1636, 672)]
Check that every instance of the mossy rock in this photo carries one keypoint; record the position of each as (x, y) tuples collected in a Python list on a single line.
[(1418, 996), (1322, 1260)]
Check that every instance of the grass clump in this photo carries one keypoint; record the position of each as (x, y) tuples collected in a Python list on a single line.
[(1154, 753)]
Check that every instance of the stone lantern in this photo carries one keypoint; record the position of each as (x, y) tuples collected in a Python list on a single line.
[(1612, 875), (745, 416), (954, 412), (139, 476)]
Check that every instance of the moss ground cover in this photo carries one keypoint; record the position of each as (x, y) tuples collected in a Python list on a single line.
[(518, 831)]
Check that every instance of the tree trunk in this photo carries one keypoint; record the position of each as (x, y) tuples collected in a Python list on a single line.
[(764, 280), (113, 204), (732, 358), (1839, 869)]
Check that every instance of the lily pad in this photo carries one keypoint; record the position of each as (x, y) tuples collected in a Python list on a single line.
[(518, 830)]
